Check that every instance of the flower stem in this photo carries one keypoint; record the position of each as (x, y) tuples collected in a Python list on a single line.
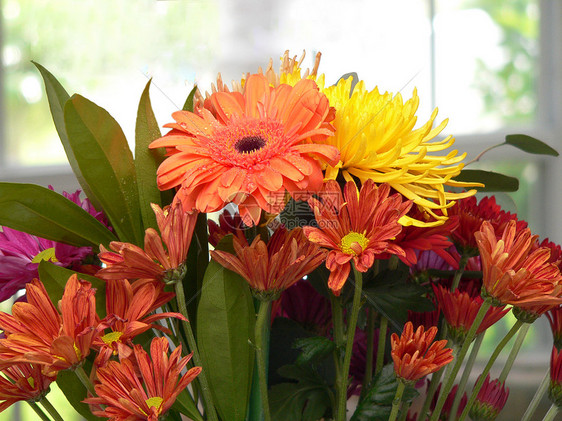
[(83, 377), (397, 400), (351, 324), (543, 387), (491, 361), (466, 375), (381, 344), (448, 385), (551, 413), (435, 378), (514, 351), (51, 409), (337, 321), (262, 338), (369, 353), (202, 378), (39, 411), (458, 273)]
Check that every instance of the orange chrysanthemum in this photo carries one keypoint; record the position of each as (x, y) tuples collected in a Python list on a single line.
[(23, 382), (272, 268), (356, 227), (126, 396), (516, 272), (128, 261), (248, 148), (36, 333), (414, 354), (128, 312)]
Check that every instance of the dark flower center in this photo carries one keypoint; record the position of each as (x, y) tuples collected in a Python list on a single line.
[(249, 144)]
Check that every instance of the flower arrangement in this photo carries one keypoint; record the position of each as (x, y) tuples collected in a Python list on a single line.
[(284, 246)]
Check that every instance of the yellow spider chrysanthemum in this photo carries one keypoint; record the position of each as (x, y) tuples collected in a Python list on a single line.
[(377, 140)]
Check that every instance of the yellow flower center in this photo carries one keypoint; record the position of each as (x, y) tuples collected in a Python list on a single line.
[(155, 401), (354, 243), (111, 337), (47, 255)]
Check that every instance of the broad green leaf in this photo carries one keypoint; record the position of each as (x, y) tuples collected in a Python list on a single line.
[(75, 391), (106, 162), (530, 144), (392, 296), (184, 403), (492, 181), (47, 214), (313, 349), (188, 104), (57, 97), (55, 277), (377, 402), (225, 327), (147, 160)]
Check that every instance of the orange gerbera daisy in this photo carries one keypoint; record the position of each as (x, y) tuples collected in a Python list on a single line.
[(248, 148), (356, 226), (128, 261), (516, 272), (272, 268), (36, 333), (23, 382), (128, 316), (414, 354), (126, 396)]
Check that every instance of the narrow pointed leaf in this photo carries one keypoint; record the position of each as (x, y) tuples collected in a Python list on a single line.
[(225, 326), (492, 181), (57, 97), (530, 144), (47, 214), (55, 277), (189, 103), (184, 404), (106, 162), (147, 160)]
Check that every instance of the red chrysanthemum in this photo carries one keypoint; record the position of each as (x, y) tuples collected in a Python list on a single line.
[(554, 317), (23, 382), (555, 388), (415, 355), (356, 226), (248, 148), (490, 400), (514, 273)]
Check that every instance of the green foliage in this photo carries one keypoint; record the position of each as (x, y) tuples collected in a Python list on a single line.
[(530, 144), (75, 391), (493, 181), (313, 349), (225, 327), (185, 405), (47, 214), (188, 104), (377, 401)]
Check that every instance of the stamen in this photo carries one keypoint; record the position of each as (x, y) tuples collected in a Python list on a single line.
[(249, 144)]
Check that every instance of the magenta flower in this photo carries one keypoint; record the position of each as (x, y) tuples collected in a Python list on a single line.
[(21, 253)]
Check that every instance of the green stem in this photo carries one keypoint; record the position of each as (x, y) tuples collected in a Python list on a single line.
[(433, 384), (351, 324), (458, 273), (202, 378), (370, 345), (39, 411), (83, 377), (446, 388), (543, 387), (397, 400), (403, 411), (262, 339), (514, 351), (491, 361), (381, 344), (466, 375), (551, 413), (51, 409), (337, 321)]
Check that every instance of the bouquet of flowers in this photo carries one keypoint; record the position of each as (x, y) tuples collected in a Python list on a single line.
[(286, 245)]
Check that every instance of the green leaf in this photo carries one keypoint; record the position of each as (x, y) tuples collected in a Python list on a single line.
[(392, 296), (106, 162), (75, 391), (57, 97), (188, 104), (530, 144), (184, 403), (225, 327), (313, 349), (55, 277), (147, 160), (47, 214), (377, 402), (493, 181)]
